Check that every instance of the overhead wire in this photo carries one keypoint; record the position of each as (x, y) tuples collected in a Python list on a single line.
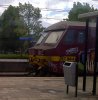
[(4, 6), (42, 9)]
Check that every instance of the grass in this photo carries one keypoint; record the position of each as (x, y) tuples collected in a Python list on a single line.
[(13, 56)]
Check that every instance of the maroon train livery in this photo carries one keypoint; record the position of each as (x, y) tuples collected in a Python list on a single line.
[(63, 41)]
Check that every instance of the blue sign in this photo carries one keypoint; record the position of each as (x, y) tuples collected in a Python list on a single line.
[(25, 38)]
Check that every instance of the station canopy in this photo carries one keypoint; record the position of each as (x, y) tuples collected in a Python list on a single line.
[(89, 15)]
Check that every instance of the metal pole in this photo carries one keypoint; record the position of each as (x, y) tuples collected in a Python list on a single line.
[(67, 89), (76, 80), (96, 59), (86, 49)]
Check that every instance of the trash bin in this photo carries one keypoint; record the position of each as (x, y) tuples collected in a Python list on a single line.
[(70, 73)]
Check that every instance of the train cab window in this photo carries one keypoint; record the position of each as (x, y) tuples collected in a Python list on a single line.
[(54, 37), (41, 38), (81, 37), (70, 37)]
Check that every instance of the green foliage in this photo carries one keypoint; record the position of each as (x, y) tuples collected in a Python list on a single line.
[(80, 66), (31, 17), (18, 22), (13, 56), (79, 8), (10, 23)]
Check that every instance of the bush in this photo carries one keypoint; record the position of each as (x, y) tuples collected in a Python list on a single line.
[(13, 56), (80, 68)]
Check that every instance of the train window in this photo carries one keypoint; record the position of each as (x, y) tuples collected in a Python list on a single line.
[(70, 37), (41, 38), (92, 31), (81, 37), (54, 37)]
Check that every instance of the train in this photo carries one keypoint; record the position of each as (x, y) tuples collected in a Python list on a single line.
[(60, 42)]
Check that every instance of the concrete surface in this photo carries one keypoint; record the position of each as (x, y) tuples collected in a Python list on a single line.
[(42, 88), (14, 65), (14, 60)]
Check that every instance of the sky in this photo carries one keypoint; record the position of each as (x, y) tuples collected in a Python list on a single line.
[(52, 10)]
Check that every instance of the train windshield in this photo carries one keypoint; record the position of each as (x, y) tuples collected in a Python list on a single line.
[(54, 37), (41, 38)]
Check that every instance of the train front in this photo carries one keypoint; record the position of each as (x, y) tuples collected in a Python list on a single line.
[(44, 54)]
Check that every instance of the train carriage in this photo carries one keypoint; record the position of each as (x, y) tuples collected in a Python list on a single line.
[(63, 41)]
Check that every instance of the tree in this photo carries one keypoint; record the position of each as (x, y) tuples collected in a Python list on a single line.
[(31, 17), (12, 27), (18, 22), (79, 8)]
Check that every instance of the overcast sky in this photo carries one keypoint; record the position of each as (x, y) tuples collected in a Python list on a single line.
[(63, 7)]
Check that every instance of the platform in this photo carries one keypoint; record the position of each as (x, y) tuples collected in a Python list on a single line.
[(42, 88), (14, 60)]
